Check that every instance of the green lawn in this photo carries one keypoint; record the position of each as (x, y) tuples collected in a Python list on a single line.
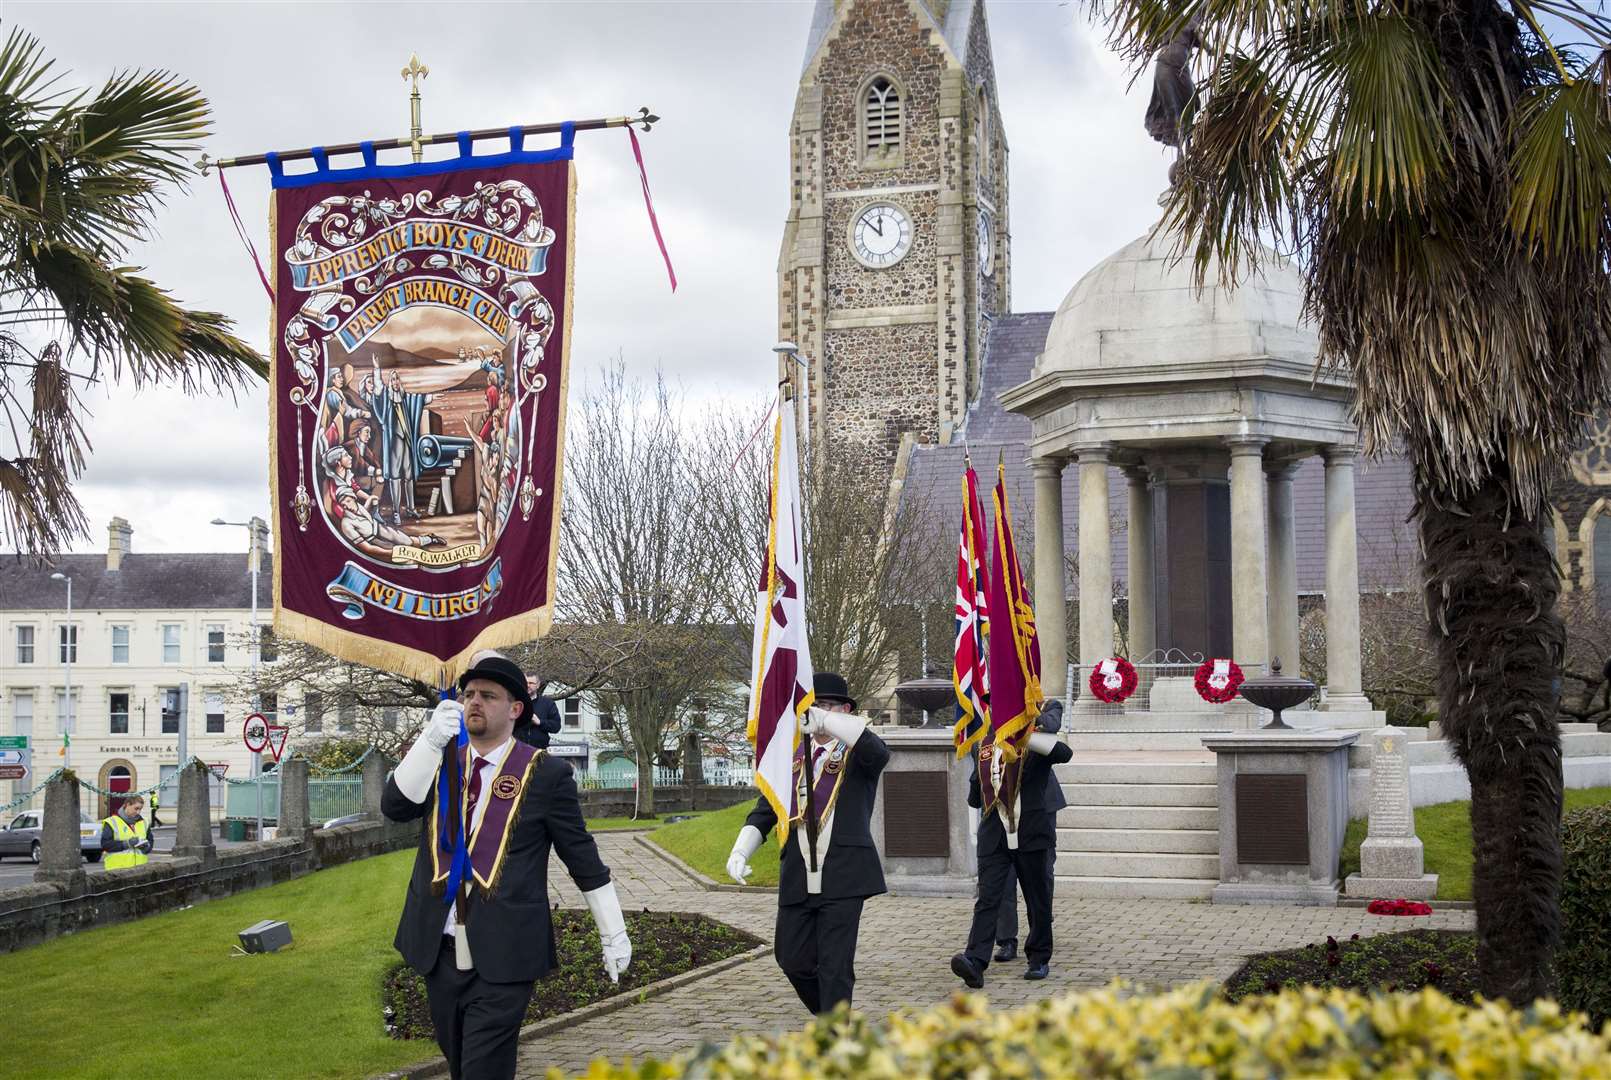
[(162, 997), (706, 842), (1445, 832)]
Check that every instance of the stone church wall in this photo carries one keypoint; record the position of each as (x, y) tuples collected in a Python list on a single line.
[(870, 375)]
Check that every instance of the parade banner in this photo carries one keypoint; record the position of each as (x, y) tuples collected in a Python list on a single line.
[(421, 331)]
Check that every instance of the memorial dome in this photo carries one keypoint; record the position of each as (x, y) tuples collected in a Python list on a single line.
[(1139, 308)]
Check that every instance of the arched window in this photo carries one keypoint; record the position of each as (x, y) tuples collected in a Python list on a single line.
[(981, 131), (881, 120)]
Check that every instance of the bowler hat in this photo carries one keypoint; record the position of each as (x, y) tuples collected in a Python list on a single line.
[(507, 674), (831, 686)]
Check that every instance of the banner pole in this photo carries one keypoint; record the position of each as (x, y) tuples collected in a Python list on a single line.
[(414, 72)]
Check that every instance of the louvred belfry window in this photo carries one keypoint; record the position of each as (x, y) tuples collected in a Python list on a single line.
[(883, 123)]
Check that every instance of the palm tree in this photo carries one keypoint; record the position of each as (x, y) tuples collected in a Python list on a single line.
[(81, 175), (1441, 170)]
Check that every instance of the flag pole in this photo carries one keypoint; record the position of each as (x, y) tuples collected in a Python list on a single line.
[(807, 773)]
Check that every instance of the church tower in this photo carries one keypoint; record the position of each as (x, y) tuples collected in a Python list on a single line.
[(897, 253)]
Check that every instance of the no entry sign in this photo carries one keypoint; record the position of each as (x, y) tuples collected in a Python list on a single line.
[(255, 733)]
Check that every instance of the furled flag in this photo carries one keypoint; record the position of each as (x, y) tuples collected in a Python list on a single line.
[(1015, 694), (968, 669), (780, 688)]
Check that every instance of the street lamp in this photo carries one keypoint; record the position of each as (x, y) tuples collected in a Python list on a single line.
[(68, 650), (254, 556)]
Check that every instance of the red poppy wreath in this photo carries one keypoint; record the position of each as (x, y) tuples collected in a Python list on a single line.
[(1218, 681), (1113, 680)]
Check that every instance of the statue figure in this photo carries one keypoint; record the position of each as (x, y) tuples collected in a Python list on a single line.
[(1172, 86)]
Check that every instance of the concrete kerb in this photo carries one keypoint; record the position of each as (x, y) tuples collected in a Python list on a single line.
[(1365, 901), (708, 884), (439, 1066)]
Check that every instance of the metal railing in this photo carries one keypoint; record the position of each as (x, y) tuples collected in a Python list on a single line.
[(730, 776), (326, 799)]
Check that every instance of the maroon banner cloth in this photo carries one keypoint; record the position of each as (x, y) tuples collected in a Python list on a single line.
[(421, 343)]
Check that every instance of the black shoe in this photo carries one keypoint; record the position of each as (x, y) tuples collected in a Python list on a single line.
[(968, 970), (1037, 972), (1006, 950)]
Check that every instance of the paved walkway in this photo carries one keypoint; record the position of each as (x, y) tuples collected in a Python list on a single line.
[(905, 951)]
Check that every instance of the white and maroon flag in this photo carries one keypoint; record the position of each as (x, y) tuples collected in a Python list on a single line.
[(780, 686)]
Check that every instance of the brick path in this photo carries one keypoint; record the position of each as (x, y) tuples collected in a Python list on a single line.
[(905, 951)]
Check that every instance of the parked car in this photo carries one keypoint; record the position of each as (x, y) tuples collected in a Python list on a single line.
[(21, 836)]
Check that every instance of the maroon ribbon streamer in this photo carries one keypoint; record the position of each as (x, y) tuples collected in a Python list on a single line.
[(648, 203), (240, 231)]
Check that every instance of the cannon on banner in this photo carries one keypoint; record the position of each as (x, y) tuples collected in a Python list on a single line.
[(445, 462), (441, 451)]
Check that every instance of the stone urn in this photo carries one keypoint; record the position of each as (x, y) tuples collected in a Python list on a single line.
[(1276, 692), (927, 693)]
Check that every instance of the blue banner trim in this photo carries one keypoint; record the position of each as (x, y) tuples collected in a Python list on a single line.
[(323, 174)]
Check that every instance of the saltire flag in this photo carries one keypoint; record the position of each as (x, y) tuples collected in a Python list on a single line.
[(417, 402), (1014, 648), (969, 668), (782, 674)]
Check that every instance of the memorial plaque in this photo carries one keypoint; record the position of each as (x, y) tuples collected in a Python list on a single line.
[(1390, 811), (1272, 819), (917, 819)]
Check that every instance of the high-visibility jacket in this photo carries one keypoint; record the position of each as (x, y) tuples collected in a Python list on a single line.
[(123, 831)]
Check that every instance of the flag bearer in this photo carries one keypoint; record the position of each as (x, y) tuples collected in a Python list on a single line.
[(125, 837), (1019, 789), (819, 913), (1050, 721)]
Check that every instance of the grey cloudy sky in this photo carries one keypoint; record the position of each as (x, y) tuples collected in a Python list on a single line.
[(1084, 180)]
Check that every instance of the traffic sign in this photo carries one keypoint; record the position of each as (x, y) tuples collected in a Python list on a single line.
[(276, 739), (12, 757), (255, 732), (13, 772), (13, 742), (219, 768)]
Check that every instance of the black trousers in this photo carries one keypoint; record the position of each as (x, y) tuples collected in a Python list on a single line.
[(1007, 921), (815, 944), (477, 1022), (1033, 870)]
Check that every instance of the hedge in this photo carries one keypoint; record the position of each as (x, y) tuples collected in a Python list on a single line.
[(1583, 961), (1180, 1034)]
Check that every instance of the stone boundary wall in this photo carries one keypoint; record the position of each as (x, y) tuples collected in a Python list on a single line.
[(671, 799)]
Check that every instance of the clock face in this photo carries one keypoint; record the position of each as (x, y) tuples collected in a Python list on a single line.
[(987, 244), (880, 235)]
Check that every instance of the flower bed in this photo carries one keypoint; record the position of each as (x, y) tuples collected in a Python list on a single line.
[(663, 944), (1411, 960), (1189, 1032)]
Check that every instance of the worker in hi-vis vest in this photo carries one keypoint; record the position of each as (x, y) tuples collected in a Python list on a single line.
[(125, 838)]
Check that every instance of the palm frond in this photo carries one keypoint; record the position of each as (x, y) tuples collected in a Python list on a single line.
[(1561, 165)]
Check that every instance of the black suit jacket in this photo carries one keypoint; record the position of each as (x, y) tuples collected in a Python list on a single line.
[(1037, 816), (511, 934), (851, 867), (545, 721)]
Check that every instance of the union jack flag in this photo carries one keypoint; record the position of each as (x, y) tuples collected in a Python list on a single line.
[(968, 669)]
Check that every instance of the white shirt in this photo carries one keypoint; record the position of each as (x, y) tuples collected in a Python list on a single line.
[(494, 762)]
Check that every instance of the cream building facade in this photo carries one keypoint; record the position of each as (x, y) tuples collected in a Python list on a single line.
[(158, 645)]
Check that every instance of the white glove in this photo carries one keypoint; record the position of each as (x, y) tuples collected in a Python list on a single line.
[(418, 768), (606, 909), (738, 863), (846, 727), (1042, 743)]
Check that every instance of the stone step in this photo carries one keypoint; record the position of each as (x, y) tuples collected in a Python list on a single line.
[(1158, 721), (1141, 793), (1136, 770), (1137, 864), (1158, 841), (1122, 739), (1136, 888), (1084, 816), (1574, 743)]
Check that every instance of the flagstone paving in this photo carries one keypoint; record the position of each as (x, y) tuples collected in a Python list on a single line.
[(904, 956)]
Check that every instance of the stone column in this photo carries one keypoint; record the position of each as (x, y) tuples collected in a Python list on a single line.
[(1143, 600), (1096, 563), (376, 768), (60, 859), (194, 837), (1050, 602), (1249, 569), (1344, 685), (294, 820), (1283, 537)]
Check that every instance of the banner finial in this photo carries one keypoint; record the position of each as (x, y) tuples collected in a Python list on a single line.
[(414, 72)]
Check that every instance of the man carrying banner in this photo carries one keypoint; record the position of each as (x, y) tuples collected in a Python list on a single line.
[(1050, 721), (481, 945), (819, 907)]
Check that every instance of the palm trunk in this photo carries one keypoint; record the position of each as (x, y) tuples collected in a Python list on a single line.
[(1491, 587)]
